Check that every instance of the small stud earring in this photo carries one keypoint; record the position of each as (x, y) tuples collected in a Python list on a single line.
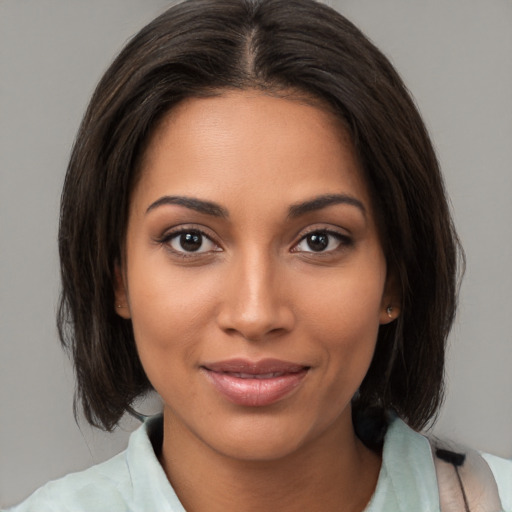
[(120, 306), (389, 311)]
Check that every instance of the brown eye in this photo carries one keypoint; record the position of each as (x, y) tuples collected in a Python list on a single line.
[(322, 241), (318, 241), (191, 241)]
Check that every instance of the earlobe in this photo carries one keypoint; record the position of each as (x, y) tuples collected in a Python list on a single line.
[(389, 313), (391, 300), (121, 296)]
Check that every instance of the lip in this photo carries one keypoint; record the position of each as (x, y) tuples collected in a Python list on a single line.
[(255, 383)]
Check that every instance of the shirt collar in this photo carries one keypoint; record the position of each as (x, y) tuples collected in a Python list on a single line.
[(151, 488), (407, 479)]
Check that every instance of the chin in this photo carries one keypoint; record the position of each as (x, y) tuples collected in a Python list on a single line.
[(259, 446), (267, 436)]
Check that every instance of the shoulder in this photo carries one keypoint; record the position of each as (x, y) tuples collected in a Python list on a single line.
[(419, 479), (471, 479), (502, 471), (132, 480), (101, 487)]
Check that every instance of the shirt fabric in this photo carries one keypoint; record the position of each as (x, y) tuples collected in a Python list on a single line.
[(134, 480)]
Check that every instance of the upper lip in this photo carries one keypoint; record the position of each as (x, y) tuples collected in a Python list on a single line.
[(261, 367)]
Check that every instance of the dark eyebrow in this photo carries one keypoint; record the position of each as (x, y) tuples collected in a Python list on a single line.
[(198, 205), (320, 202)]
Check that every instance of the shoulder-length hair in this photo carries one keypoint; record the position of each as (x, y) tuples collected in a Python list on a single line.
[(202, 47)]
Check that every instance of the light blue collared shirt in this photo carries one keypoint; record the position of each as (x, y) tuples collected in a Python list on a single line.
[(134, 480)]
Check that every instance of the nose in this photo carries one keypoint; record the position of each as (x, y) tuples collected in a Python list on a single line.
[(255, 304)]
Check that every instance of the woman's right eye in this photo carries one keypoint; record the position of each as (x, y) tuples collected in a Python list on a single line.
[(190, 241)]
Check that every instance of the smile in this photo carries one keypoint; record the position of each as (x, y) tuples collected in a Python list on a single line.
[(255, 384)]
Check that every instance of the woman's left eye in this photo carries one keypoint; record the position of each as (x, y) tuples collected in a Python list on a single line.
[(191, 241), (321, 241)]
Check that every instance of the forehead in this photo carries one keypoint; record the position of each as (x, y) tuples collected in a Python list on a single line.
[(252, 144)]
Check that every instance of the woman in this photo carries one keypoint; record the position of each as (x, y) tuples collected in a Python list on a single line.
[(254, 224)]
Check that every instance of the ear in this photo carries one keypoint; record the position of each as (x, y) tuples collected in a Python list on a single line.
[(391, 300), (120, 292)]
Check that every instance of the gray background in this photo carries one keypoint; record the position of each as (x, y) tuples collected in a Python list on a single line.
[(455, 56)]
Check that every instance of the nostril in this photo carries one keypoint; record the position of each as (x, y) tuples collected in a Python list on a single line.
[(253, 308), (255, 331)]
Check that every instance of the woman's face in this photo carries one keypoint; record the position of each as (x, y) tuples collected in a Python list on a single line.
[(253, 274)]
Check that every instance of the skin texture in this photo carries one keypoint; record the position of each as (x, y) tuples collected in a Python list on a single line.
[(256, 289)]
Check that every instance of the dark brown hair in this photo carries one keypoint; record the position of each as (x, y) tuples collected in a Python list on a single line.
[(201, 47)]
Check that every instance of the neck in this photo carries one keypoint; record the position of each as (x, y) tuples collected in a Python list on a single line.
[(331, 473)]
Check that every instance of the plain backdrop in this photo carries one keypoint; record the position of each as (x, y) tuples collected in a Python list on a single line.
[(456, 58)]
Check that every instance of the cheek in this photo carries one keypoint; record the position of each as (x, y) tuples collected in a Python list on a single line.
[(347, 339), (170, 311), (163, 294), (344, 304), (344, 318)]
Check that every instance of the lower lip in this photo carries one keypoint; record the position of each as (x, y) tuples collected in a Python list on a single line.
[(255, 392)]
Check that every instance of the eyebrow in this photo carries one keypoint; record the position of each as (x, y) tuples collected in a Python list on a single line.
[(324, 201), (198, 205), (296, 210)]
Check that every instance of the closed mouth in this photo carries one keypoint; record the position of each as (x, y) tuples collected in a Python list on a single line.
[(267, 368), (255, 384), (256, 375)]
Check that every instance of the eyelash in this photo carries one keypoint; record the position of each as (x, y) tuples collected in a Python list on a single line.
[(344, 241), (168, 238)]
